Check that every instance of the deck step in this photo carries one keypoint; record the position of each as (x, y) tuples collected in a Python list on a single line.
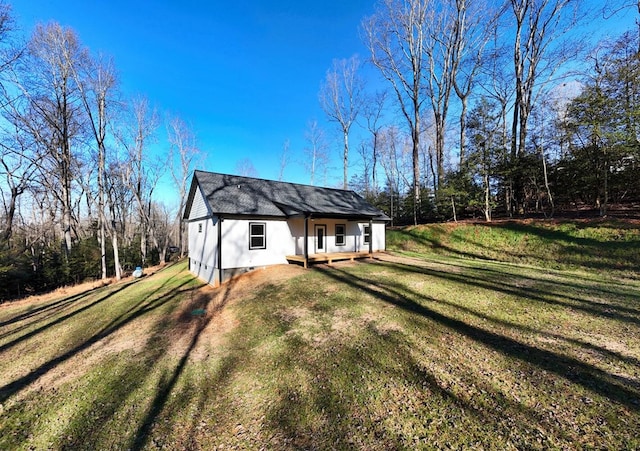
[(328, 257)]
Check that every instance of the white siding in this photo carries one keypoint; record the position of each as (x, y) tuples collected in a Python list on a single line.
[(282, 238), (199, 207), (379, 236), (235, 244), (354, 239), (296, 229), (203, 255)]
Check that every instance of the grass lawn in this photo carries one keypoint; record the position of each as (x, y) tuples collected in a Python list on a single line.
[(599, 244), (404, 352)]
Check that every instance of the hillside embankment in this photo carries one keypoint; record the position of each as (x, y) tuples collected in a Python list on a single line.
[(590, 244)]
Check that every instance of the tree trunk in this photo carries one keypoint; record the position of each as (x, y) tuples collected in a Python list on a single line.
[(66, 219), (416, 164), (116, 253), (11, 211), (345, 159), (391, 202), (440, 132), (605, 172), (453, 209), (487, 197), (433, 172), (103, 250), (101, 215), (463, 126), (546, 182), (374, 163), (143, 243)]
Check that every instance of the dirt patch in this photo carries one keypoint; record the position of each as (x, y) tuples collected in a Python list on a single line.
[(206, 315), (193, 334)]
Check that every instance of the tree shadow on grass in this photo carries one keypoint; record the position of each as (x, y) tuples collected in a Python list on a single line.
[(603, 254), (530, 330), (496, 281), (145, 305), (571, 247), (62, 307), (618, 389), (75, 304), (48, 309), (605, 286), (438, 246), (352, 393), (168, 382)]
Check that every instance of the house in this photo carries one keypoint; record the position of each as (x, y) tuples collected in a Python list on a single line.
[(236, 224)]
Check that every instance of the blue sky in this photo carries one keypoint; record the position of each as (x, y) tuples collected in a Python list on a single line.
[(245, 74)]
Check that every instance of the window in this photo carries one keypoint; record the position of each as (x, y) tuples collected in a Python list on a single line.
[(257, 235), (200, 228), (367, 234), (340, 234)]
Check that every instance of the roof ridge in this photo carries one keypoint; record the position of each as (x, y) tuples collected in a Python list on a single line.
[(242, 195), (276, 181)]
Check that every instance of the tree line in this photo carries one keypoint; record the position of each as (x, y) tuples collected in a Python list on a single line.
[(77, 170), (479, 109), (490, 108)]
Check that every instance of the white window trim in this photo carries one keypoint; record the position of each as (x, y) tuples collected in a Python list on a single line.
[(366, 236), (263, 235), (343, 235)]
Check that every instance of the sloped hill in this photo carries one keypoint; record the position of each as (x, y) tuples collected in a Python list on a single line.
[(396, 353), (594, 243)]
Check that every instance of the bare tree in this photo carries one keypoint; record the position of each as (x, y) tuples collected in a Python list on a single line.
[(396, 35), (341, 98), (391, 160), (96, 81), (51, 111), (284, 159), (495, 79), (10, 50), (160, 220), (316, 157), (19, 173), (183, 146), (121, 202), (442, 47), (537, 51), (139, 173), (246, 168), (15, 146), (373, 112), (475, 22)]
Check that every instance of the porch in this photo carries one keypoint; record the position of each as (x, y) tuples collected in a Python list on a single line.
[(328, 257)]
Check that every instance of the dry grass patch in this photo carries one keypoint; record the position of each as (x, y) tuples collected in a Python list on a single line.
[(400, 353)]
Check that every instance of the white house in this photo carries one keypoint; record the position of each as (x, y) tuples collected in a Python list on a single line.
[(237, 224)]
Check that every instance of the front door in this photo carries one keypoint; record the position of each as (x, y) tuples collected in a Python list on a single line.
[(321, 238)]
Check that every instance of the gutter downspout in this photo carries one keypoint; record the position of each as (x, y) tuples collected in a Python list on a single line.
[(306, 240), (370, 237), (219, 250)]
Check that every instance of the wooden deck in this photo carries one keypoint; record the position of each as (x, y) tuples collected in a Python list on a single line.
[(328, 257)]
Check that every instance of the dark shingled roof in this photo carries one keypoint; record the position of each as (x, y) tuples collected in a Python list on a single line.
[(247, 196)]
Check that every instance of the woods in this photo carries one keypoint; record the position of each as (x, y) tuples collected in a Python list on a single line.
[(503, 110), (78, 172), (457, 109)]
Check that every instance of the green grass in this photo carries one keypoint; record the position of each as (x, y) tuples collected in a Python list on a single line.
[(401, 353), (602, 245)]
